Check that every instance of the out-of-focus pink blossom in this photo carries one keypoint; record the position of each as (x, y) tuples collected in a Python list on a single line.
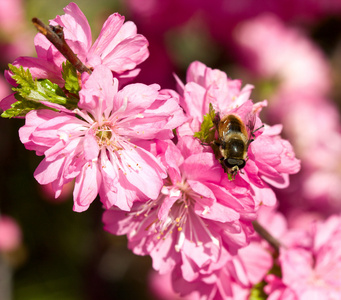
[(10, 234), (11, 15), (197, 221), (311, 267), (97, 144), (16, 37), (118, 47), (318, 144), (155, 17), (274, 50)]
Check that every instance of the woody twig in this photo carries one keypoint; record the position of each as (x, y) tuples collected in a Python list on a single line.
[(55, 35)]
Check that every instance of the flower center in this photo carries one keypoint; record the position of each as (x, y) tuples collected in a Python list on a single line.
[(172, 215), (104, 135), (107, 137)]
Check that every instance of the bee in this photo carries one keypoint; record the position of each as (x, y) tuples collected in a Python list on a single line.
[(234, 138)]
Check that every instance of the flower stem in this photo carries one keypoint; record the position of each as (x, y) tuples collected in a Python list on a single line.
[(267, 236), (55, 35)]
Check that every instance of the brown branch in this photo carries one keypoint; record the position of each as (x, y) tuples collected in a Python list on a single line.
[(55, 35), (267, 236)]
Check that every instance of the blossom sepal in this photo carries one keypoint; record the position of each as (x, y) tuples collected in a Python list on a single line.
[(207, 129), (69, 74)]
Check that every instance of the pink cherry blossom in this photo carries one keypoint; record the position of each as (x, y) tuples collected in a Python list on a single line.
[(270, 158), (311, 267), (196, 223), (98, 143), (118, 47), (239, 273), (234, 279)]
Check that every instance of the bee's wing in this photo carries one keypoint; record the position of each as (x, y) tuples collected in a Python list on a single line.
[(250, 124)]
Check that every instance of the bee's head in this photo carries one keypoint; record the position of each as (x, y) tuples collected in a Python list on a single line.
[(235, 164)]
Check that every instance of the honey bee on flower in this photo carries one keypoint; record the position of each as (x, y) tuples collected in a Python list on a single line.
[(224, 118), (234, 138)]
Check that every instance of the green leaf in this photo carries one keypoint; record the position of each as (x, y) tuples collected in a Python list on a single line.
[(21, 107), (208, 129), (69, 74), (31, 92), (36, 90)]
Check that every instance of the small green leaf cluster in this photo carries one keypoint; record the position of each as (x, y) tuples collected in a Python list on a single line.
[(207, 131), (207, 135), (31, 94)]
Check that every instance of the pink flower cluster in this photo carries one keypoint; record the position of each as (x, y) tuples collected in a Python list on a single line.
[(201, 219), (310, 262), (134, 146)]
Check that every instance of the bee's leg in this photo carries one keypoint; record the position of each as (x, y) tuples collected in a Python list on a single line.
[(216, 143), (253, 136), (249, 142)]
